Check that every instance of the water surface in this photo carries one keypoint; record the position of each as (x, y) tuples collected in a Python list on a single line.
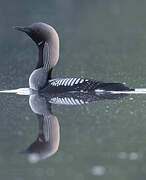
[(103, 40)]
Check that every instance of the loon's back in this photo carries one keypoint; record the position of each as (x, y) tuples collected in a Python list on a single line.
[(62, 85)]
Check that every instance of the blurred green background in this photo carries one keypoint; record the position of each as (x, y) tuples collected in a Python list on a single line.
[(100, 39)]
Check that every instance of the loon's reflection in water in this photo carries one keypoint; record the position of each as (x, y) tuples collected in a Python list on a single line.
[(47, 142), (79, 98), (48, 138)]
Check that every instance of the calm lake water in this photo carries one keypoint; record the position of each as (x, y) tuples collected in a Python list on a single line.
[(100, 39)]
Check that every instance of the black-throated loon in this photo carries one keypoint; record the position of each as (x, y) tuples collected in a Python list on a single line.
[(47, 41)]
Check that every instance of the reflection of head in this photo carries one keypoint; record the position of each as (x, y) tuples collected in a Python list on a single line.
[(48, 139)]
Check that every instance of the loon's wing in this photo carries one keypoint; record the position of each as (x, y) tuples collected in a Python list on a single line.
[(62, 85)]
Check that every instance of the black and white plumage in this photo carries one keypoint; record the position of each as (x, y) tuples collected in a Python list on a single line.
[(62, 85), (81, 98), (79, 91), (47, 41)]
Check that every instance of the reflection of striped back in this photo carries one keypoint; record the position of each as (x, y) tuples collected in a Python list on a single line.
[(67, 101), (67, 81)]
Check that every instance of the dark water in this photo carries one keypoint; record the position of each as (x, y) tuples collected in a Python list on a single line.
[(100, 39)]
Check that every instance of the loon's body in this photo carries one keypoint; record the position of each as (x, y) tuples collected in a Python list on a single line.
[(62, 85), (47, 41)]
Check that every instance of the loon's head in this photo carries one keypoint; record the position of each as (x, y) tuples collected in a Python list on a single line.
[(47, 40)]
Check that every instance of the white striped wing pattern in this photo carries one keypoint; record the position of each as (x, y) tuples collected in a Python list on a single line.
[(66, 81), (67, 101)]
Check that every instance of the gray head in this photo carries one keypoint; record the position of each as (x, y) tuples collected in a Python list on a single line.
[(47, 40)]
